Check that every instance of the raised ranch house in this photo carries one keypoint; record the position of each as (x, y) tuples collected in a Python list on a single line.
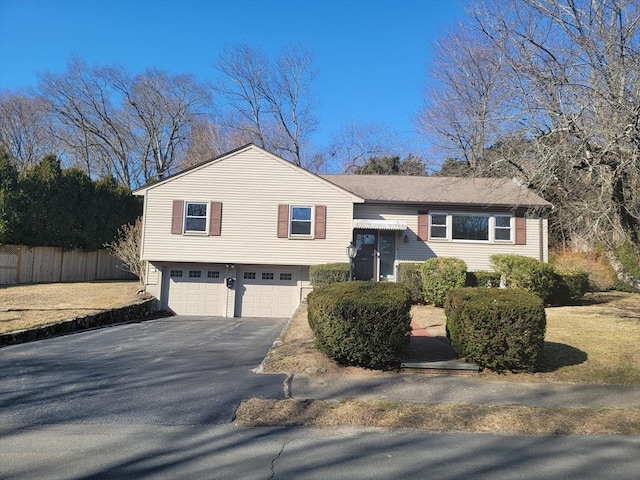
[(235, 236)]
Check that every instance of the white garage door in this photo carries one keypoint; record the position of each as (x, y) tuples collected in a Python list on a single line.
[(267, 291), (196, 290)]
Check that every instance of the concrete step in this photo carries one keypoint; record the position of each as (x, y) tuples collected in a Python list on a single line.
[(453, 367)]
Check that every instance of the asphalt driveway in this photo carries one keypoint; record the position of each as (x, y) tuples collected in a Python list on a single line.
[(171, 371)]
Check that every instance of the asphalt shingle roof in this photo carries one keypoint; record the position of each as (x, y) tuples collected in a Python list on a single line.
[(485, 192)]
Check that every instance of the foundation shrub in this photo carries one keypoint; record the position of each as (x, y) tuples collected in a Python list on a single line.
[(366, 324), (569, 287), (409, 275), (483, 279), (499, 329), (320, 275), (441, 275), (526, 273)]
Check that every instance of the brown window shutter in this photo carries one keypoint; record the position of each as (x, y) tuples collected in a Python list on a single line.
[(423, 226), (521, 231), (215, 219), (283, 221), (320, 230), (177, 218)]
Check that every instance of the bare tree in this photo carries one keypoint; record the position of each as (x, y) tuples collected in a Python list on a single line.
[(356, 142), (270, 103), (86, 104), (208, 140), (570, 70), (126, 247), (133, 128), (466, 103), (162, 110), (25, 129)]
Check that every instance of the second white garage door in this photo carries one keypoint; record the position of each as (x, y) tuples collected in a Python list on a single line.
[(267, 291)]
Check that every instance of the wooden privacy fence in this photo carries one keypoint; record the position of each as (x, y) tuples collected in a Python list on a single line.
[(22, 264)]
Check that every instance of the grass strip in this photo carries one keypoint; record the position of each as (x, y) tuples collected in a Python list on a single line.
[(516, 419)]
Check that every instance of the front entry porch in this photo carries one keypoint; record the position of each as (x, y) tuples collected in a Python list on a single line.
[(376, 249)]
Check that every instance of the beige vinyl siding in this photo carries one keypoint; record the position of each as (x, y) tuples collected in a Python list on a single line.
[(154, 279), (250, 184), (475, 254)]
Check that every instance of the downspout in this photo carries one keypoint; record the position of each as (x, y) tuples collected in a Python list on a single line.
[(542, 240)]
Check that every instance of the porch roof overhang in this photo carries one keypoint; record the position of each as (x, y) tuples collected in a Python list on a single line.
[(379, 224)]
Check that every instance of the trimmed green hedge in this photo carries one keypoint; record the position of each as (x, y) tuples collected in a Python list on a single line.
[(526, 273), (569, 287), (366, 324), (483, 279), (499, 329), (320, 275), (441, 275), (410, 275)]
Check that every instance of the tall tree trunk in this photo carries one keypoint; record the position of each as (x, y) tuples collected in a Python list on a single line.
[(620, 271)]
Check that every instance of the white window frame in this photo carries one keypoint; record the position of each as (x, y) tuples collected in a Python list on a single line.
[(447, 226), (491, 226), (311, 222), (206, 217), (510, 228)]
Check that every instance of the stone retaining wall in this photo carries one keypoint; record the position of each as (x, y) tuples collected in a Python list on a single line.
[(138, 311)]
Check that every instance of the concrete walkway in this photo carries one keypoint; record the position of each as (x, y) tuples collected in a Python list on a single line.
[(421, 388)]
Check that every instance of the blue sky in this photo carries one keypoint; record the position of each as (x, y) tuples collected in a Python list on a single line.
[(371, 55)]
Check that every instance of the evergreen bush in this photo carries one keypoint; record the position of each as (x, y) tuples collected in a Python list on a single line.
[(410, 275), (439, 276), (569, 287), (483, 279), (526, 273), (325, 274), (499, 329), (365, 324)]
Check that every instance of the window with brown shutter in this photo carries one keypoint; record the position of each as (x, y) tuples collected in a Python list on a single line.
[(320, 230), (177, 218), (215, 219)]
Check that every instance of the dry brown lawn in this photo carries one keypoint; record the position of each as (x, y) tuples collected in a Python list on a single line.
[(526, 420), (595, 342), (28, 306)]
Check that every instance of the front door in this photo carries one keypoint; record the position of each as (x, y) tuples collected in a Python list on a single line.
[(364, 265), (387, 256)]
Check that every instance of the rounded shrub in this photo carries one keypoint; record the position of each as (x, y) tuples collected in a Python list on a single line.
[(410, 275), (365, 324), (441, 275), (325, 274), (526, 273), (569, 287), (483, 279), (499, 329)]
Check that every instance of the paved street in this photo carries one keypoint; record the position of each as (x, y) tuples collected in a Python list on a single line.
[(153, 400), (228, 452)]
